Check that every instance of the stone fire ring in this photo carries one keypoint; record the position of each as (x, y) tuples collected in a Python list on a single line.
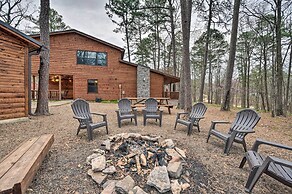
[(126, 155)]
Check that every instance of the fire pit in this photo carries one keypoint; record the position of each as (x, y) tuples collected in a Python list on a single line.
[(129, 162)]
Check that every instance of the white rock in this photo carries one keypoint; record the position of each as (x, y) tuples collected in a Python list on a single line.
[(138, 190), (92, 156), (98, 177), (110, 170), (175, 187), (167, 143), (98, 163), (174, 169), (125, 185), (159, 179)]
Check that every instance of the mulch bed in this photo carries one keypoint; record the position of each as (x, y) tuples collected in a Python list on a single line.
[(64, 169)]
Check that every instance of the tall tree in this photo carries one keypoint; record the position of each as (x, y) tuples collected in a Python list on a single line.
[(203, 73), (56, 22), (13, 12), (225, 106), (43, 100), (126, 11), (186, 95), (279, 69)]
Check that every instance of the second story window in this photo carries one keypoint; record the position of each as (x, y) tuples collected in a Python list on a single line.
[(92, 58)]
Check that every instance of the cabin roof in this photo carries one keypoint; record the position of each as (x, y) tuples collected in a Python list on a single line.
[(82, 34), (34, 44)]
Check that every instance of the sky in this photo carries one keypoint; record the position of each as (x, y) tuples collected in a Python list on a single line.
[(88, 16)]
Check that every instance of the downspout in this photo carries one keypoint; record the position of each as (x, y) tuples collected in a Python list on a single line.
[(31, 53)]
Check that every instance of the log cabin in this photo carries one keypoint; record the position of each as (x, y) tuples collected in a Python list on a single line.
[(83, 66), (15, 51)]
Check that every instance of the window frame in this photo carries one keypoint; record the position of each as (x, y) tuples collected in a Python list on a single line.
[(96, 58), (95, 81)]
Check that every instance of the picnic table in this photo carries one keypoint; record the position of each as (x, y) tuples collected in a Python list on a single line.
[(140, 102)]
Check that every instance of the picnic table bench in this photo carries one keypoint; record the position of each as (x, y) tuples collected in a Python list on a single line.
[(139, 102), (18, 168), (168, 106)]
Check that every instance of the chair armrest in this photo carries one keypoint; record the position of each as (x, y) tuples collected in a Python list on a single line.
[(198, 117), (80, 118), (181, 113), (220, 122), (213, 123), (249, 130), (261, 141), (280, 161), (99, 114)]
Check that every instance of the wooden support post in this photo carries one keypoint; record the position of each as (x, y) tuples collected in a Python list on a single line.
[(60, 87)]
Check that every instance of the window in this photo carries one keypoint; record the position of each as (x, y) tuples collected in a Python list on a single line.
[(92, 58), (92, 86)]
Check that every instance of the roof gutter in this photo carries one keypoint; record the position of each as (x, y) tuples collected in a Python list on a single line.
[(30, 54)]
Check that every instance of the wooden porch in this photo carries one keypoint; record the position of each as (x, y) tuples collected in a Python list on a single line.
[(60, 87)]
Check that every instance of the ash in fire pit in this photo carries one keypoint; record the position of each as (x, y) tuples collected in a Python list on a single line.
[(150, 161)]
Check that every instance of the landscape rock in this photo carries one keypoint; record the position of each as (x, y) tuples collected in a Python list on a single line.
[(135, 135), (138, 190), (98, 163), (175, 187), (110, 170), (159, 179), (107, 144), (109, 188), (92, 156), (104, 185), (98, 177), (174, 169), (167, 143), (125, 185), (181, 152), (185, 186), (171, 152)]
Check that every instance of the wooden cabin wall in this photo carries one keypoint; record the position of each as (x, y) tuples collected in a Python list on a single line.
[(156, 85), (13, 77), (63, 61)]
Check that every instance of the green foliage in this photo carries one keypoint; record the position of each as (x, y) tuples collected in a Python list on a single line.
[(56, 22)]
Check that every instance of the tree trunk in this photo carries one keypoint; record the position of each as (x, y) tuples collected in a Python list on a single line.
[(186, 9), (228, 82), (172, 38), (127, 38), (203, 73), (260, 88), (266, 77), (286, 103), (279, 70), (43, 101)]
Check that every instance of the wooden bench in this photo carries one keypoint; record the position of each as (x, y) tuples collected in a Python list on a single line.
[(168, 106), (18, 168)]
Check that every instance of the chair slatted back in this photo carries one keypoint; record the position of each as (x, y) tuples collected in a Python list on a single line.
[(81, 109), (198, 110), (245, 119), (151, 105), (124, 106)]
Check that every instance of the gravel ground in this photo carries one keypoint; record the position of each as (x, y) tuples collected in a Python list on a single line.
[(64, 169)]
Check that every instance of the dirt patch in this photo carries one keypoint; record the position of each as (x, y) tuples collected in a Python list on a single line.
[(64, 169)]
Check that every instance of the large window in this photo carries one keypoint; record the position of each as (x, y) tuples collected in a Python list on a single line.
[(92, 86), (92, 58)]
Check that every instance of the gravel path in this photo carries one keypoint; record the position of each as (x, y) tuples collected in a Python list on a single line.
[(64, 169)]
